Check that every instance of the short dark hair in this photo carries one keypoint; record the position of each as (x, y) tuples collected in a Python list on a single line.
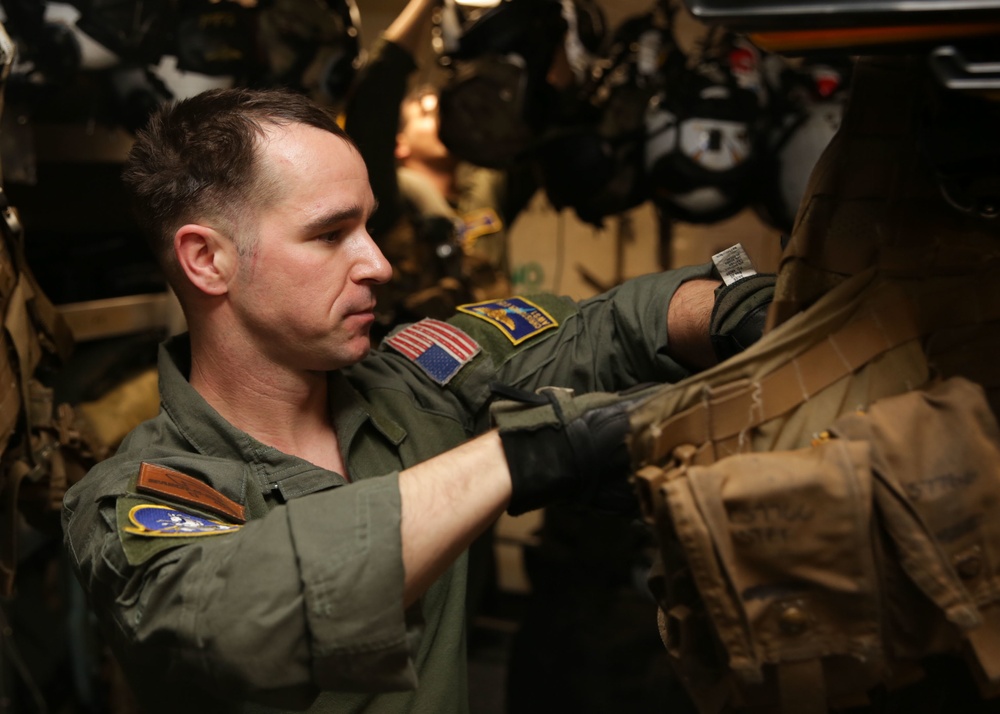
[(197, 158)]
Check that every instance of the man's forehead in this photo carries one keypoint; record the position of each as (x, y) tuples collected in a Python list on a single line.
[(294, 143)]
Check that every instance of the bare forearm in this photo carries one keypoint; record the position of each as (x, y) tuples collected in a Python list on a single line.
[(688, 319), (446, 502)]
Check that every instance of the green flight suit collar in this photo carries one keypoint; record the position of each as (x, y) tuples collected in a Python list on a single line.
[(279, 475), (350, 411)]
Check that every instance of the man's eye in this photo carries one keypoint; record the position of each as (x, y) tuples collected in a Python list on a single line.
[(331, 236)]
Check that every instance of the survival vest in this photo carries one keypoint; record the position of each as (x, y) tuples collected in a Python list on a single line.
[(825, 502)]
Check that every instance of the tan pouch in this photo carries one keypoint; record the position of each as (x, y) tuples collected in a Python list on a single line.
[(696, 656), (936, 458), (780, 548)]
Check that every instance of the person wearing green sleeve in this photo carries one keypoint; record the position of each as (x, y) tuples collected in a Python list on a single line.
[(289, 533)]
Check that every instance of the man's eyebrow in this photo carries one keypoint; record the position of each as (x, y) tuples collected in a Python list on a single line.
[(340, 214)]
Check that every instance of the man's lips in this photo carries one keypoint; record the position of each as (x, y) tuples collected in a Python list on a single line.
[(368, 311)]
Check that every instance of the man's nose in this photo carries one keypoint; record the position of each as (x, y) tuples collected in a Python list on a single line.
[(376, 267)]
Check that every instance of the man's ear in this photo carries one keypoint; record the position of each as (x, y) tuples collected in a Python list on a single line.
[(207, 257)]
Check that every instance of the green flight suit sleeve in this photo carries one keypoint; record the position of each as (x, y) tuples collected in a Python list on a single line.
[(305, 598), (610, 342)]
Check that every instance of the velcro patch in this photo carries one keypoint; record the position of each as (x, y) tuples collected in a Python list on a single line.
[(517, 318), (439, 349), (161, 481), (162, 521)]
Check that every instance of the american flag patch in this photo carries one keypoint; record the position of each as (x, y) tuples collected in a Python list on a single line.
[(438, 348)]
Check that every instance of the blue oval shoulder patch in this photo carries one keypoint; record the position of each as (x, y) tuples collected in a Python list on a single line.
[(159, 521)]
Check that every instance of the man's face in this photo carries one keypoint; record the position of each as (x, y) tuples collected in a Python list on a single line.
[(304, 296), (418, 132)]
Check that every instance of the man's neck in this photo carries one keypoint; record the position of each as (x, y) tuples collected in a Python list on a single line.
[(278, 407)]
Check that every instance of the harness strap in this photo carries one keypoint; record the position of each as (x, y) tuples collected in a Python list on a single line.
[(891, 318)]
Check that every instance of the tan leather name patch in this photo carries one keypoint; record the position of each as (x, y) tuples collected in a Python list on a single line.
[(187, 489)]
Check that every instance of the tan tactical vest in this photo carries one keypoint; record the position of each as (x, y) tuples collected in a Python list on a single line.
[(827, 502)]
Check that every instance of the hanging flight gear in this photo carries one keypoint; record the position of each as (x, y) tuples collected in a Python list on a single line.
[(42, 450), (496, 58), (594, 161), (708, 131), (497, 98), (685, 129), (482, 111), (315, 46), (130, 58), (807, 110)]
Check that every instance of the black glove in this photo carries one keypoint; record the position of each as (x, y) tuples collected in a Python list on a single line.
[(565, 449), (740, 313)]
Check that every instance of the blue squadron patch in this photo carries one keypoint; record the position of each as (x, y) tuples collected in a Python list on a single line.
[(517, 318), (163, 521)]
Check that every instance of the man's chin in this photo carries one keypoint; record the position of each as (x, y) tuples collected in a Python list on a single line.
[(345, 355), (359, 349)]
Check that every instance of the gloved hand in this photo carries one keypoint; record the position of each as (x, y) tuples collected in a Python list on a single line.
[(740, 313), (566, 449)]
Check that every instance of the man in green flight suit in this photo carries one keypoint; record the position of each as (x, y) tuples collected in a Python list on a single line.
[(289, 531)]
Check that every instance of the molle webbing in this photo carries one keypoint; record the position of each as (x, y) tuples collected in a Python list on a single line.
[(894, 314)]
